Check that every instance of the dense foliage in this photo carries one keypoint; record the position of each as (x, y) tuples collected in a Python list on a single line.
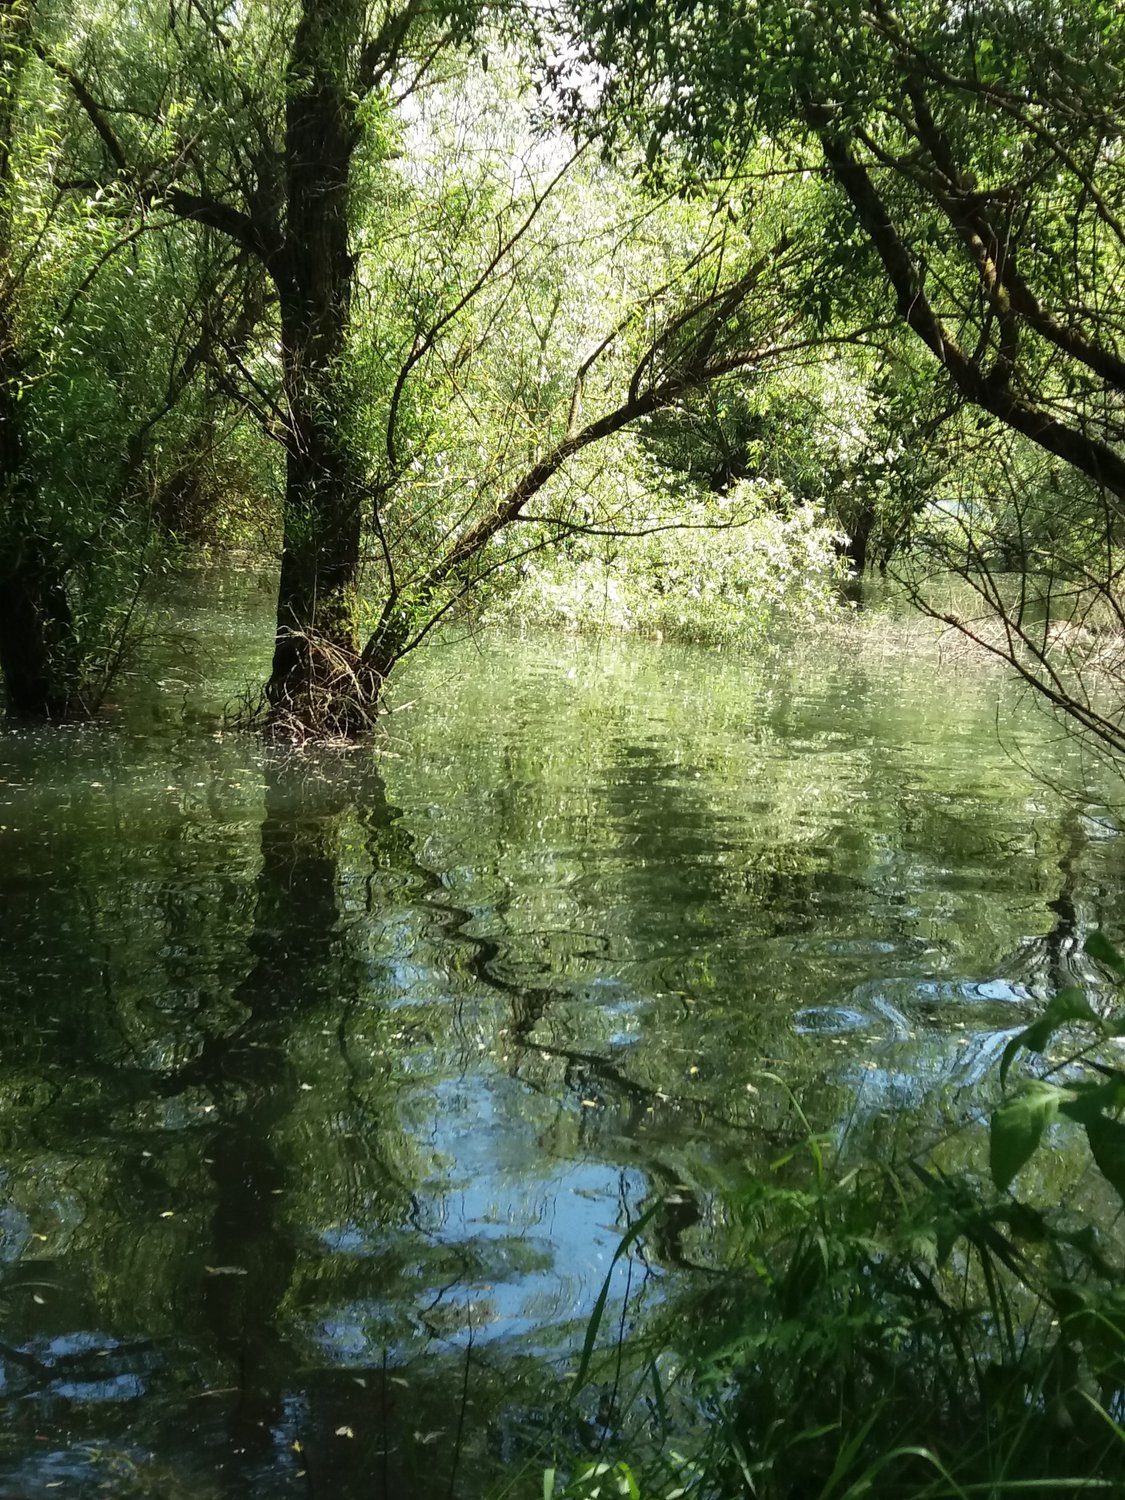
[(972, 196), (446, 291)]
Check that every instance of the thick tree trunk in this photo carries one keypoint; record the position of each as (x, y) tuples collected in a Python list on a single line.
[(316, 651), (36, 634), (37, 643), (855, 546), (317, 678)]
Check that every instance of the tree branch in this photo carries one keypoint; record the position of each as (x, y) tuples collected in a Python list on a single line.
[(197, 207), (1095, 459)]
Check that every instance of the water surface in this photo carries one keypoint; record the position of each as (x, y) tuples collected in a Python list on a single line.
[(331, 1079)]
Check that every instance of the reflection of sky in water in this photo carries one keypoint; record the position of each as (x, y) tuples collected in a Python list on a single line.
[(542, 1228), (569, 1262), (74, 1367)]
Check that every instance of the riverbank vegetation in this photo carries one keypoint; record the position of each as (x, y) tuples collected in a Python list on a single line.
[(695, 321), (899, 1325), (465, 310)]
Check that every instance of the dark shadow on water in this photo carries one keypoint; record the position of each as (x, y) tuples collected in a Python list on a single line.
[(226, 1400), (321, 1122)]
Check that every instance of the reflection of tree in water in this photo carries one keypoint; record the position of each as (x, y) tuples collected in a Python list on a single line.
[(275, 1165), (671, 877), (288, 1121), (300, 965), (222, 1141), (1055, 959)]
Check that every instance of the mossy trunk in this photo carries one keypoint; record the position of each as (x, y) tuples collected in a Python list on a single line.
[(318, 681), (37, 648), (857, 543)]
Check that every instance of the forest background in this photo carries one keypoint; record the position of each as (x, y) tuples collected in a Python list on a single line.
[(662, 321)]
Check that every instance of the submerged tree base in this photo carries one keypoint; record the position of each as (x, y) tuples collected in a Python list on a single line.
[(325, 692)]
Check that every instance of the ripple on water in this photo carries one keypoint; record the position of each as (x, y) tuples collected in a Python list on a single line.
[(891, 1009), (413, 1058)]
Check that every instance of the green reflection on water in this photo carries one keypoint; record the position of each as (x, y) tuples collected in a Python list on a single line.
[(330, 1079)]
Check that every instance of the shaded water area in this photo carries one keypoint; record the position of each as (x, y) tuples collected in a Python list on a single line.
[(330, 1081)]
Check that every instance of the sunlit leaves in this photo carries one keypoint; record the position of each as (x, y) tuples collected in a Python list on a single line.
[(1093, 1097), (1068, 1005), (1017, 1128)]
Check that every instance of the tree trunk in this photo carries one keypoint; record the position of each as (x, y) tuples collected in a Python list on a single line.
[(38, 651), (317, 679), (37, 648), (36, 633), (855, 546)]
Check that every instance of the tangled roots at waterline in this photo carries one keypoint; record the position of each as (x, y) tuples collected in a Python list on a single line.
[(329, 694)]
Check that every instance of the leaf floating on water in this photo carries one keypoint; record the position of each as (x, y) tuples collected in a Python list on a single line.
[(345, 1432)]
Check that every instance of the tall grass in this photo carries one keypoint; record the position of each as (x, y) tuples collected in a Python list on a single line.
[(886, 1330)]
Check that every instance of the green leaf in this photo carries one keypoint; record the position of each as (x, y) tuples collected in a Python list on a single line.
[(1107, 1142), (594, 1323), (1067, 1006), (1099, 947), (1017, 1127), (1086, 1101)]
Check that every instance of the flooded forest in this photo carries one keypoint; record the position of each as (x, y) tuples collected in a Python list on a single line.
[(562, 719)]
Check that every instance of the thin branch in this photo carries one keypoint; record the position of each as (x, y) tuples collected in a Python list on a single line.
[(424, 342), (197, 207)]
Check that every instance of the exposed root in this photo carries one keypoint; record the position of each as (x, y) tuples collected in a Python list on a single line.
[(328, 695)]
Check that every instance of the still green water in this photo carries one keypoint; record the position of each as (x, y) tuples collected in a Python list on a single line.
[(331, 1080)]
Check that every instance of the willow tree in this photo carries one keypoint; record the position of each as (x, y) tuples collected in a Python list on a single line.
[(106, 325), (245, 123), (974, 188), (35, 621), (975, 154), (297, 132)]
